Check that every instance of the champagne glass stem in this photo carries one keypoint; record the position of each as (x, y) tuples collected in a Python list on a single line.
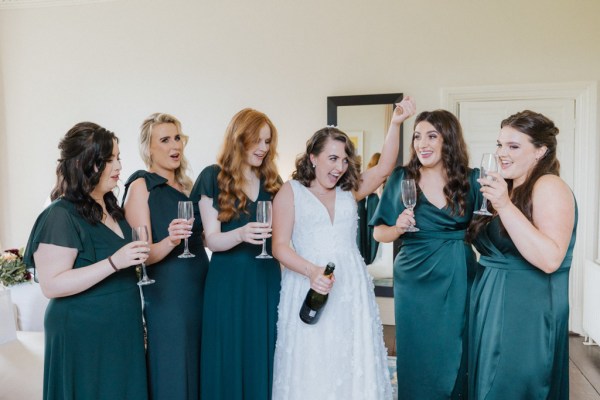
[(264, 247)]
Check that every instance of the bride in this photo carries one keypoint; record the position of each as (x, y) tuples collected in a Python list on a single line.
[(343, 355)]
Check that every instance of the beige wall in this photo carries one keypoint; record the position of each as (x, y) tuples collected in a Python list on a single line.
[(116, 62)]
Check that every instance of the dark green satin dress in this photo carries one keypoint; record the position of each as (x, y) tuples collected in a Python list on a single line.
[(94, 339), (433, 273), (519, 324), (173, 304), (240, 310), (364, 238)]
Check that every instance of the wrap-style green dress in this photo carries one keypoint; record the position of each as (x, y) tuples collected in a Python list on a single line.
[(173, 304), (433, 272), (519, 317), (94, 339), (240, 309)]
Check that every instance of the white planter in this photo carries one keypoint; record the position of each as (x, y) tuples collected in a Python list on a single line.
[(8, 328), (31, 306)]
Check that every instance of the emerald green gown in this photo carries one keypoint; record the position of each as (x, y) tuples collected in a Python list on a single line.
[(519, 348), (173, 304), (240, 310), (433, 273), (94, 339), (367, 245)]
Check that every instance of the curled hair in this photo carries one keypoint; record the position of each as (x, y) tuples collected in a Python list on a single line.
[(455, 158), (542, 132), (84, 152), (146, 128), (305, 173), (241, 134)]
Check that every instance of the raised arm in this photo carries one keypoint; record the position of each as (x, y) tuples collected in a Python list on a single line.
[(137, 213), (283, 225), (544, 243), (372, 178)]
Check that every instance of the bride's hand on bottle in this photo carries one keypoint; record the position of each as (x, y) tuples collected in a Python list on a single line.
[(319, 282)]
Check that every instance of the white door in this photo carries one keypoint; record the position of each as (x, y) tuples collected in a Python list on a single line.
[(481, 124)]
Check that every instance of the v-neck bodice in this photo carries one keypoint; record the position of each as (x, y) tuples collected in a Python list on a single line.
[(324, 235)]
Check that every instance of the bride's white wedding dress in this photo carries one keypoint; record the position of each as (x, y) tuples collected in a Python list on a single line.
[(342, 356)]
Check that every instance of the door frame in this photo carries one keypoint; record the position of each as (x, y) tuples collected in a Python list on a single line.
[(586, 163)]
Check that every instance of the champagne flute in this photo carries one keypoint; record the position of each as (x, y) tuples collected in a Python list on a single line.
[(264, 214), (489, 163), (185, 210), (409, 198), (141, 233)]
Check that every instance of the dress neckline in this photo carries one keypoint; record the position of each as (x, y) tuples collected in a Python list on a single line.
[(330, 217)]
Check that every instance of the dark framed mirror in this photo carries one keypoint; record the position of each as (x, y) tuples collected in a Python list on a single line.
[(365, 118)]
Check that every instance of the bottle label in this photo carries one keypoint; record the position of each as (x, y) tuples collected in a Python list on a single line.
[(312, 313)]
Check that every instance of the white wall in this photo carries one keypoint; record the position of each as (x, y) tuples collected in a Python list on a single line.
[(116, 62)]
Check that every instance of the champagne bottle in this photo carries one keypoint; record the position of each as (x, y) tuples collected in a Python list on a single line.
[(315, 301)]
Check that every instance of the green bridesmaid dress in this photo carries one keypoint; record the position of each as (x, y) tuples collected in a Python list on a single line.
[(364, 239), (519, 346), (433, 273), (240, 310), (94, 339), (173, 304)]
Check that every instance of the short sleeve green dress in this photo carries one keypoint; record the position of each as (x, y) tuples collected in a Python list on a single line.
[(432, 275), (173, 304), (240, 310), (94, 339), (519, 323)]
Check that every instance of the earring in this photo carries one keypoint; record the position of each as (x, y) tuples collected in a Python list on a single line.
[(314, 165)]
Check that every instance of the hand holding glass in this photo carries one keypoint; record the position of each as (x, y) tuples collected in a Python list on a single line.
[(185, 210), (409, 198), (489, 163), (141, 233), (264, 215)]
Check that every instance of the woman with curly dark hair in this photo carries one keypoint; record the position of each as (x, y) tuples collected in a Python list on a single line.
[(343, 355), (434, 268), (518, 339), (241, 291), (81, 248)]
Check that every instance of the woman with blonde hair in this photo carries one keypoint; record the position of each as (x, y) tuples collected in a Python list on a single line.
[(242, 292), (173, 304)]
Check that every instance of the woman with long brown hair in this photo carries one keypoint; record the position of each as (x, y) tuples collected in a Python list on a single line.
[(343, 356), (435, 266), (241, 292), (519, 318)]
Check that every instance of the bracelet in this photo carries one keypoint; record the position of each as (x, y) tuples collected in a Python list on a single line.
[(112, 264)]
